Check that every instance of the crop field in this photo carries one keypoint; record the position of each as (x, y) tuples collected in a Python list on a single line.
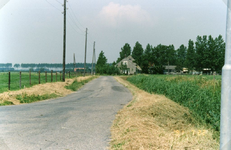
[(25, 79), (201, 94)]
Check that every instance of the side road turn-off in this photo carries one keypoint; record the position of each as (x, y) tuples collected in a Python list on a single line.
[(79, 121)]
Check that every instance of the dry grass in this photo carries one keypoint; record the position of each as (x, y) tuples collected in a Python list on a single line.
[(152, 121), (57, 88)]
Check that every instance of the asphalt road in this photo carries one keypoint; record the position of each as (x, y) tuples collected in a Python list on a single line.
[(79, 121)]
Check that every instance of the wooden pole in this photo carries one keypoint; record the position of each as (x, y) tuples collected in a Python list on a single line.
[(9, 81), (51, 75), (46, 76), (20, 79), (85, 56), (64, 41), (39, 76), (30, 77)]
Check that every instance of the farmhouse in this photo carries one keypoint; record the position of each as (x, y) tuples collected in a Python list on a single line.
[(128, 66)]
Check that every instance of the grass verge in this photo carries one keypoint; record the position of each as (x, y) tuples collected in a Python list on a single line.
[(153, 121), (75, 85), (4, 103), (24, 98), (43, 91)]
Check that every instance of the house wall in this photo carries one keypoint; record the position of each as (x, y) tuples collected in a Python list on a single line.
[(130, 65)]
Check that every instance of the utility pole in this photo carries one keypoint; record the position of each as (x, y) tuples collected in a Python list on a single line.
[(225, 122), (93, 59), (64, 40), (85, 57), (74, 63)]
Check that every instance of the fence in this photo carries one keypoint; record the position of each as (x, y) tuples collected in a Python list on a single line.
[(18, 80)]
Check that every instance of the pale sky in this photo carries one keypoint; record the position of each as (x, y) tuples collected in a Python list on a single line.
[(31, 31)]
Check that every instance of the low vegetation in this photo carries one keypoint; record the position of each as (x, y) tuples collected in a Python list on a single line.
[(201, 94), (152, 121), (75, 85), (24, 98), (4, 103)]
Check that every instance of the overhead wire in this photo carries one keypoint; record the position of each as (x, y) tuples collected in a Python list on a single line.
[(75, 16), (53, 6)]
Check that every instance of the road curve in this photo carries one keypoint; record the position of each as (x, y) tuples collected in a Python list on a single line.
[(79, 121)]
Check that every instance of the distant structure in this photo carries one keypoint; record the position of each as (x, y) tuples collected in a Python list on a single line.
[(128, 66)]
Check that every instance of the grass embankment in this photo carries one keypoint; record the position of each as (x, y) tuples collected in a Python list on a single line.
[(43, 91), (200, 94), (152, 121)]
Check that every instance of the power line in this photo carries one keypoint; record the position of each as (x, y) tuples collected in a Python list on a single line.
[(58, 2), (54, 6), (74, 22), (74, 28), (75, 16)]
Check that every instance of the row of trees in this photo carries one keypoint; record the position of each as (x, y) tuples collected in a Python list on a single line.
[(48, 65), (5, 65), (205, 52)]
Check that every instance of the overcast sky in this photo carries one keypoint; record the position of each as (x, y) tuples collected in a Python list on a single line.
[(31, 31)]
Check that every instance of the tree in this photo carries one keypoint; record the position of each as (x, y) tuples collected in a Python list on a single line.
[(101, 63), (125, 51), (171, 55), (16, 65), (190, 56), (147, 59), (137, 53), (180, 57), (219, 53), (202, 54)]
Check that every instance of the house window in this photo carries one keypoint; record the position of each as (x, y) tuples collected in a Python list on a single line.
[(125, 62)]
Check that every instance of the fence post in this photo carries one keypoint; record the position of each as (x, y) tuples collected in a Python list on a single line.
[(69, 74), (56, 76), (46, 76), (60, 75), (30, 77), (51, 75), (9, 81), (20, 79), (39, 77)]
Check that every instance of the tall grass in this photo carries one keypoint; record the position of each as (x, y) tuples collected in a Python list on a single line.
[(199, 93)]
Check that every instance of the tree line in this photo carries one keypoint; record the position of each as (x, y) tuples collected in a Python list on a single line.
[(205, 52), (45, 65)]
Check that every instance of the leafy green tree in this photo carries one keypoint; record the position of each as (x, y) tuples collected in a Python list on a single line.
[(219, 54), (125, 52), (147, 59), (181, 57), (101, 63), (171, 55), (202, 53), (137, 53), (190, 56)]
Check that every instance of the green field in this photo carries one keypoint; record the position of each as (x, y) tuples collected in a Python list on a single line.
[(201, 94), (25, 79)]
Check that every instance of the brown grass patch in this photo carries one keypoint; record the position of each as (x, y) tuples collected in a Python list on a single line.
[(57, 88), (152, 121)]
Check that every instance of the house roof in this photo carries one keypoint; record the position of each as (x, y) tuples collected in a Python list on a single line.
[(130, 58)]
